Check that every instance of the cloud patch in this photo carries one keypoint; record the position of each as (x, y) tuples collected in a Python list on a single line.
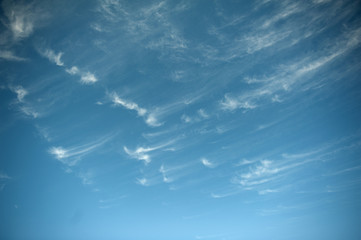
[(149, 117), (54, 57)]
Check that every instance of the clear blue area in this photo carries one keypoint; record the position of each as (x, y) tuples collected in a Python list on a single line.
[(220, 120)]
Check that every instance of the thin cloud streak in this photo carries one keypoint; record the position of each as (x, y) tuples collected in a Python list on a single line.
[(72, 155), (149, 117)]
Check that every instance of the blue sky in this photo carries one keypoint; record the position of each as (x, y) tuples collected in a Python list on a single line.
[(214, 120)]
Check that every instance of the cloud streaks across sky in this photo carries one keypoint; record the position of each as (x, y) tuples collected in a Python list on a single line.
[(142, 113)]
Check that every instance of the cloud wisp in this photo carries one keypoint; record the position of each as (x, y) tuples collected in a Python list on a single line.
[(22, 105), (148, 116), (86, 77), (143, 154), (54, 57), (4, 178), (72, 155), (208, 163)]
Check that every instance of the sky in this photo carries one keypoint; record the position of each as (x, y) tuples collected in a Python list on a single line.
[(158, 120)]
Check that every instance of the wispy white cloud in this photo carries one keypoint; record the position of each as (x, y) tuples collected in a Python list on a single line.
[(203, 114), (186, 118), (232, 103), (20, 92), (287, 77), (164, 173), (23, 18), (142, 153), (142, 181), (149, 117), (207, 163), (128, 105), (10, 56), (148, 24), (28, 111), (88, 78), (22, 105), (267, 191), (72, 155), (85, 77), (73, 70), (53, 57), (172, 173)]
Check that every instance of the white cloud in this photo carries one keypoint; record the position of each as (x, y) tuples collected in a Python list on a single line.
[(20, 93), (142, 181), (88, 78), (150, 118), (231, 103), (257, 174), (72, 155), (10, 56), (73, 70), (264, 192), (85, 77), (128, 104), (22, 18), (28, 111), (59, 152), (186, 118), (53, 57), (140, 154), (22, 105), (164, 172), (207, 163), (203, 113)]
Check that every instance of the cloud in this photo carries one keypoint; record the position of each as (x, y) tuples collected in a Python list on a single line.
[(53, 57), (264, 192), (148, 24), (22, 105), (72, 155), (164, 173), (28, 111), (88, 78), (128, 105), (73, 70), (258, 174), (22, 18), (85, 77), (20, 93), (186, 118), (207, 163), (288, 76), (140, 154), (142, 181), (231, 103), (202, 113), (10, 56), (150, 118)]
